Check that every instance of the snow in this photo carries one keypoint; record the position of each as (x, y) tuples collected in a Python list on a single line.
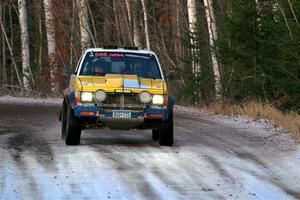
[(29, 101), (264, 126), (128, 165)]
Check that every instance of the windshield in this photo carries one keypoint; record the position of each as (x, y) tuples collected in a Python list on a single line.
[(102, 63)]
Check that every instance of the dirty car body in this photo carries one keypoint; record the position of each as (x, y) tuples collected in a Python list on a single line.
[(117, 88)]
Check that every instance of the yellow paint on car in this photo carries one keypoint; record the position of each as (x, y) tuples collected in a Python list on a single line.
[(112, 82)]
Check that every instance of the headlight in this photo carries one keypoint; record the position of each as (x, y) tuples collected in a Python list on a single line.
[(145, 97), (86, 97), (158, 99), (100, 96)]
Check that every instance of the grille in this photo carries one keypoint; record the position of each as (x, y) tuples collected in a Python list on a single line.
[(122, 99)]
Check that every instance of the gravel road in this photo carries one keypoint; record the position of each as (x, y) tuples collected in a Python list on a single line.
[(213, 158)]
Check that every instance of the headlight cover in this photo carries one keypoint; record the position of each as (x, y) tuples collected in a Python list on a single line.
[(158, 99), (100, 96), (145, 97), (86, 97)]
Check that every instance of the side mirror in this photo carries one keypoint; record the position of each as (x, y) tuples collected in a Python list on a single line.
[(69, 71)]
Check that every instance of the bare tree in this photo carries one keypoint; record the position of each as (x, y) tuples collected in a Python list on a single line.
[(84, 24), (10, 51), (137, 40), (192, 17), (25, 43), (146, 24), (127, 13), (128, 7), (212, 30), (51, 43), (3, 49)]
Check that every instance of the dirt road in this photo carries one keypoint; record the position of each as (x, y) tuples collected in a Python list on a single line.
[(213, 158)]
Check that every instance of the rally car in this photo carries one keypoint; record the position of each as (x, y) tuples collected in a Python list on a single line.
[(118, 88)]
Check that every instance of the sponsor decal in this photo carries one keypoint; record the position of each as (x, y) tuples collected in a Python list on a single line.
[(106, 54), (109, 55), (137, 56)]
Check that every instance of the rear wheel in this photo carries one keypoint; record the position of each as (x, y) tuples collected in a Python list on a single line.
[(155, 134), (166, 131), (73, 128)]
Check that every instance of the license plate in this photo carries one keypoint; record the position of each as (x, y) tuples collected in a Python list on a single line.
[(121, 114)]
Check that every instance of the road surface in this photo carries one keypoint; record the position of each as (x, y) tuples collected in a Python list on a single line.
[(213, 158)]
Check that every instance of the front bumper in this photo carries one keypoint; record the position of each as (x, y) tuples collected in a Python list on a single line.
[(98, 112)]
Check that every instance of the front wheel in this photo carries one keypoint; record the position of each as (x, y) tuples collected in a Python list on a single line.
[(73, 128), (155, 134), (63, 120), (166, 131)]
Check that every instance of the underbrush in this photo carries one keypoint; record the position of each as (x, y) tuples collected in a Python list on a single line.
[(289, 122)]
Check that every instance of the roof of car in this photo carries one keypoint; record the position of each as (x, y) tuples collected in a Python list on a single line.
[(119, 50)]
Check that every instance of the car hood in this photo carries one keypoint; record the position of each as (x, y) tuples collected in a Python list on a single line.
[(120, 81)]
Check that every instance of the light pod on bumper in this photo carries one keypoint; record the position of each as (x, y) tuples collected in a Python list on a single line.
[(100, 96), (158, 99), (145, 97), (86, 96)]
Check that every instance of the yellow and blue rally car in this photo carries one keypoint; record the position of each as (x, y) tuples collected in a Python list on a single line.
[(119, 88)]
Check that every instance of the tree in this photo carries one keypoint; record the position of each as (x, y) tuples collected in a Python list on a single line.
[(10, 51), (213, 36), (137, 40), (145, 12), (25, 43), (192, 19), (84, 24), (51, 43)]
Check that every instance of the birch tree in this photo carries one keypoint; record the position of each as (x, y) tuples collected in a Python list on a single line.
[(192, 18), (212, 30), (51, 43), (25, 43), (129, 20), (84, 24), (128, 7), (146, 24), (137, 40)]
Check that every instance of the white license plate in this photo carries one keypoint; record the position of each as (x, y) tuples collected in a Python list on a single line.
[(121, 114)]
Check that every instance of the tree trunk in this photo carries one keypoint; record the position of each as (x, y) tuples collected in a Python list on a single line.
[(127, 15), (84, 24), (146, 24), (3, 72), (25, 43), (72, 34), (11, 52), (41, 39), (258, 10), (117, 23), (192, 17), (108, 27), (128, 7), (176, 29), (51, 44), (212, 30), (137, 40)]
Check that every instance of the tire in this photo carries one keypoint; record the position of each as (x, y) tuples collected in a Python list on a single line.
[(155, 134), (73, 128), (63, 120), (166, 130)]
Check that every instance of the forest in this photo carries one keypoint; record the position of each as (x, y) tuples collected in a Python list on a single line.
[(230, 50)]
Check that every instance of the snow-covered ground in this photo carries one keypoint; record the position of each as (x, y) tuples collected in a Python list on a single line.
[(27, 100), (214, 157)]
